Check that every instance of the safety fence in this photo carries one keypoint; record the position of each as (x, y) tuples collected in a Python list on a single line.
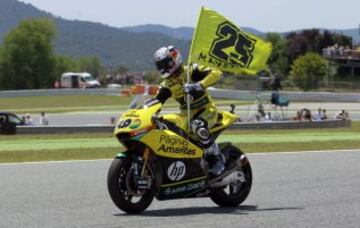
[(216, 93), (237, 126)]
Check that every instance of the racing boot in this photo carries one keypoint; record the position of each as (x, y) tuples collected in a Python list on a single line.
[(215, 160)]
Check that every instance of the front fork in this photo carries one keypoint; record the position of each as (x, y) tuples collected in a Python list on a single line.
[(140, 166)]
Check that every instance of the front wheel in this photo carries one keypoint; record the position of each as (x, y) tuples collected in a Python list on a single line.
[(122, 187), (234, 194)]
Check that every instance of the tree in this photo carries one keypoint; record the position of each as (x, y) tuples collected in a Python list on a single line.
[(278, 60), (27, 56), (302, 42), (308, 70), (64, 63), (90, 64), (312, 40)]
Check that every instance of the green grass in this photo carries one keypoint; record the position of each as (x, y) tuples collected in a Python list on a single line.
[(63, 103), (57, 155), (21, 148), (105, 142), (57, 104)]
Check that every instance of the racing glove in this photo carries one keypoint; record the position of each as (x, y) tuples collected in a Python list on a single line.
[(188, 88)]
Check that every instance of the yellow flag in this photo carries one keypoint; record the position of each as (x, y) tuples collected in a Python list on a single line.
[(219, 43)]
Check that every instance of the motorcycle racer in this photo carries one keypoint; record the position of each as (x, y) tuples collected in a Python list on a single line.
[(169, 63)]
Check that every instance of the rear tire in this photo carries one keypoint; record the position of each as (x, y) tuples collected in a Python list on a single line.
[(121, 189), (233, 195)]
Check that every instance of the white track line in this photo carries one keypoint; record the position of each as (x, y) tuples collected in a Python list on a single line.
[(303, 152), (251, 154)]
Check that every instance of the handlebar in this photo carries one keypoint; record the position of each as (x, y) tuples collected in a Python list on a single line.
[(158, 121)]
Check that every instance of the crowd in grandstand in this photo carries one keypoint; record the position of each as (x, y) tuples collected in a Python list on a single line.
[(346, 52)]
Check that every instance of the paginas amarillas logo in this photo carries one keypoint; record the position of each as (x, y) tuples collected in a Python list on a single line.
[(174, 145)]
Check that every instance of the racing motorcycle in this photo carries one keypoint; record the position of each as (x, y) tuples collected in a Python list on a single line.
[(163, 160)]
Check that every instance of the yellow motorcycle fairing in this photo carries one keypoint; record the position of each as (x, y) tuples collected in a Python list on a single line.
[(225, 119)]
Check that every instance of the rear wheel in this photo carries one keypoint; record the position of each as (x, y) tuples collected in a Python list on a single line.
[(123, 189), (234, 193)]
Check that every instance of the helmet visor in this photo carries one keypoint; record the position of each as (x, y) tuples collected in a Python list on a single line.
[(164, 65)]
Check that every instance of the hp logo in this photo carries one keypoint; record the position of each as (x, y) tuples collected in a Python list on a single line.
[(176, 171)]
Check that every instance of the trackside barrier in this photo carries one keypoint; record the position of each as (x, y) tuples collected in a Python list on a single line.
[(64, 129), (236, 126), (216, 93), (292, 125), (291, 96)]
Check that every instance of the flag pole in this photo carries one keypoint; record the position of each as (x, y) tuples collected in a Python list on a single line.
[(188, 70)]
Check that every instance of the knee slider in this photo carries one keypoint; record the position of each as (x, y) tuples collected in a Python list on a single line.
[(199, 127), (195, 124), (203, 133)]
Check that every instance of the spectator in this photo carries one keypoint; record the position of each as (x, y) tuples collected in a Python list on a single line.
[(261, 110), (232, 108), (323, 115), (305, 114), (342, 115), (298, 116), (268, 117), (28, 119), (112, 120), (43, 119), (57, 84), (318, 115)]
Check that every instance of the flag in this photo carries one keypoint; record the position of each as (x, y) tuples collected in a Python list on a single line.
[(219, 43)]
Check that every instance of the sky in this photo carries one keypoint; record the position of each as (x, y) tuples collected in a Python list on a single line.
[(264, 15)]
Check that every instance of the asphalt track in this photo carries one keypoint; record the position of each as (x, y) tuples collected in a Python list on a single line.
[(289, 190)]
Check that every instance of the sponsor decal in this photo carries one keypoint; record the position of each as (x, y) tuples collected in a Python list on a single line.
[(132, 114), (124, 123), (174, 145), (176, 150), (184, 188), (174, 140), (176, 171), (135, 124)]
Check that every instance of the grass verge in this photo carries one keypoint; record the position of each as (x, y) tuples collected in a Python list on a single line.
[(110, 152), (95, 146)]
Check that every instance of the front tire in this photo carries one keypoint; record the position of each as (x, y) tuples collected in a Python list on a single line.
[(233, 195), (122, 189)]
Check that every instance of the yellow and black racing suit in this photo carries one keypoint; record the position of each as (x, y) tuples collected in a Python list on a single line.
[(203, 111)]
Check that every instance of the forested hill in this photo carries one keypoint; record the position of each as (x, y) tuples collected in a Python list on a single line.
[(12, 11), (113, 46), (77, 38), (186, 32), (181, 32)]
